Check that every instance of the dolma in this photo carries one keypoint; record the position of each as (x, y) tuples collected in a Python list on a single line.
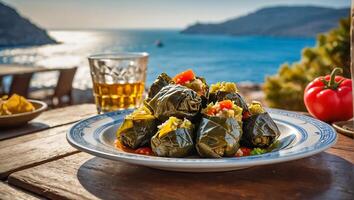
[(137, 128), (173, 139), (175, 100), (259, 129), (227, 91), (220, 130), (197, 84), (161, 81)]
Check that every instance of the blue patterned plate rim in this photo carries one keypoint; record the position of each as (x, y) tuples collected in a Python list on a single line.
[(328, 138)]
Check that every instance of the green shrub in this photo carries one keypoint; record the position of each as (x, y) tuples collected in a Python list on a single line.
[(286, 89)]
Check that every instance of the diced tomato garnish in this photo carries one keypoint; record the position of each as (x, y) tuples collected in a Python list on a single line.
[(245, 151), (144, 151), (124, 148), (226, 104), (184, 77), (239, 153), (246, 115), (211, 111)]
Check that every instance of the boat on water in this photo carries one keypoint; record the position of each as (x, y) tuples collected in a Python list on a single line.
[(159, 43)]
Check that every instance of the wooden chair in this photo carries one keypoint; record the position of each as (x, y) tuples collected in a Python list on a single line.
[(65, 85), (20, 84), (2, 88), (62, 93)]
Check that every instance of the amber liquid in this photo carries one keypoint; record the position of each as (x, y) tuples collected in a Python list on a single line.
[(111, 97)]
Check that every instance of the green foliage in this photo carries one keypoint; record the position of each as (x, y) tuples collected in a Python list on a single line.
[(286, 89)]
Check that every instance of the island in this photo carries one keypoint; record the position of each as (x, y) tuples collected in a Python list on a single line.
[(288, 21), (16, 30)]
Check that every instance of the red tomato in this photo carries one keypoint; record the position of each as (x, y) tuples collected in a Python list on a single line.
[(226, 104), (330, 98), (144, 151), (184, 77)]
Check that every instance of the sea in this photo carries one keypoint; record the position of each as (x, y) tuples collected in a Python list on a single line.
[(217, 58)]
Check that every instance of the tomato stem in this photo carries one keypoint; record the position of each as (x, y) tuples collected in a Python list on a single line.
[(332, 84)]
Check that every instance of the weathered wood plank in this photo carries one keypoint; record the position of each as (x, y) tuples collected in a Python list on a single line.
[(20, 153), (82, 176), (9, 193), (345, 154), (34, 136), (51, 118), (58, 189), (344, 143)]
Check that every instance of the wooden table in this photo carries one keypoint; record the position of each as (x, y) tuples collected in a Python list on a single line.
[(14, 69), (41, 163)]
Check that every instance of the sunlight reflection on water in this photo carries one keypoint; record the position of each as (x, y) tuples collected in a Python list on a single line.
[(219, 58), (73, 49)]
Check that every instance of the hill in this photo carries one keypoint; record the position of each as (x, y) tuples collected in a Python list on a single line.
[(16, 30), (294, 21)]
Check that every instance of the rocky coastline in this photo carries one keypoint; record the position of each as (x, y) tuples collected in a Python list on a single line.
[(16, 30), (279, 21)]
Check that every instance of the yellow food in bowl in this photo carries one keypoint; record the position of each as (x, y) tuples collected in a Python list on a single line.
[(14, 105)]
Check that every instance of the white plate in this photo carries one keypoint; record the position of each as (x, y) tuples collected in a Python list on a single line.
[(301, 136)]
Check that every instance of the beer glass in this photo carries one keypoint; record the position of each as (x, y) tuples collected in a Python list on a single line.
[(118, 80)]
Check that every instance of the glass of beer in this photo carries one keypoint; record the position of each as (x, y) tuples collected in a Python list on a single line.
[(118, 80)]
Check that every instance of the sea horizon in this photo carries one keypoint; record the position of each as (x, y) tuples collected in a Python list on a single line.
[(216, 57)]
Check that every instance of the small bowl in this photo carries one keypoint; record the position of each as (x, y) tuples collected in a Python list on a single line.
[(340, 127), (23, 118)]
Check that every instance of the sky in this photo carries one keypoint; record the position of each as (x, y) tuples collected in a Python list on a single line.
[(115, 14)]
